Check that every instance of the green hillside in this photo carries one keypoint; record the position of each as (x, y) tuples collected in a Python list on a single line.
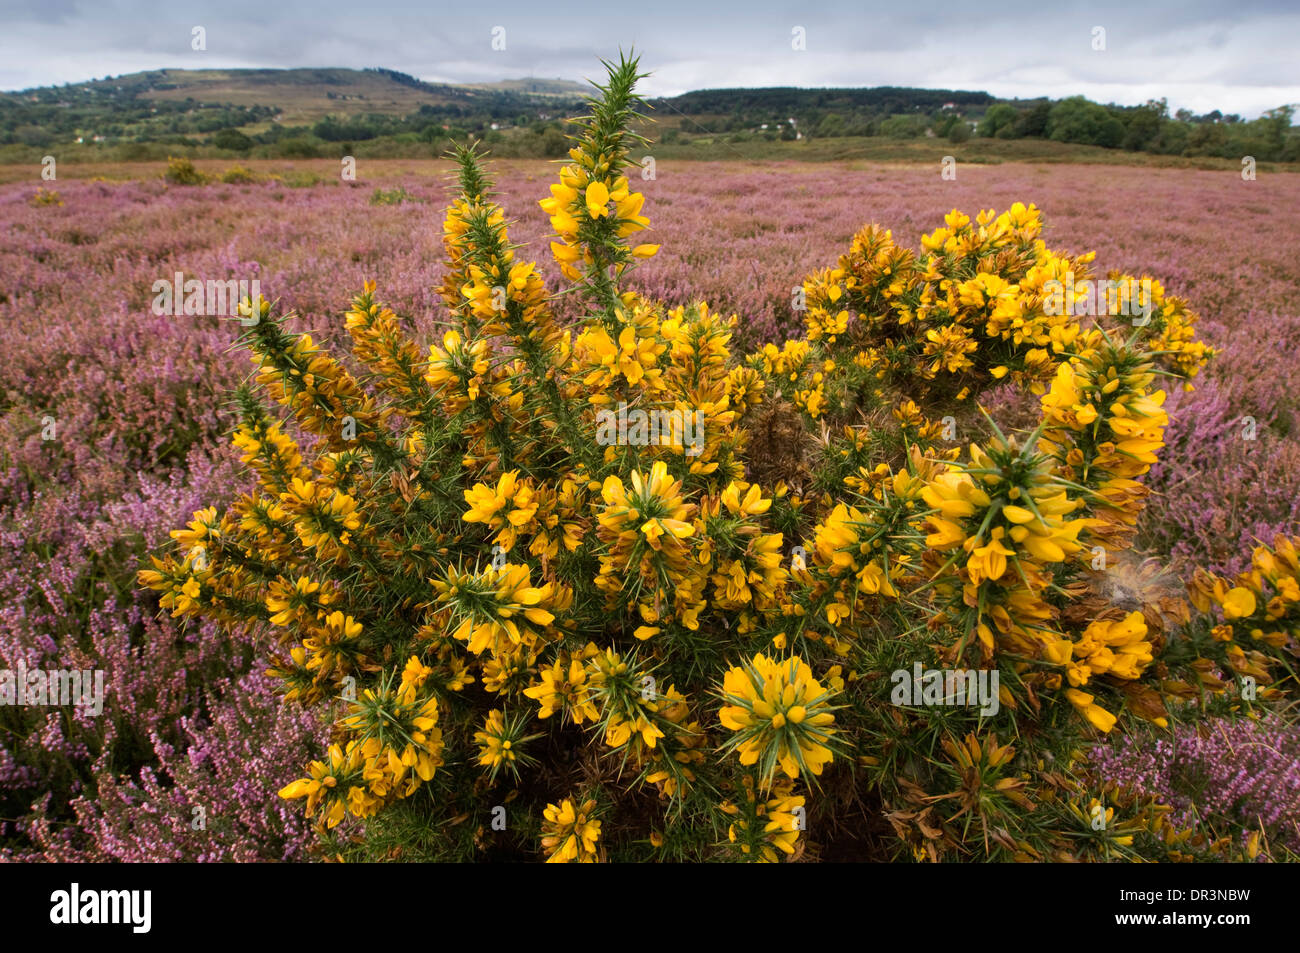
[(382, 113)]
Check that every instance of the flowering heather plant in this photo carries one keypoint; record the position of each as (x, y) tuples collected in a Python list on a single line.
[(1224, 775), (1227, 479), (550, 624), (107, 437), (207, 797), (82, 786)]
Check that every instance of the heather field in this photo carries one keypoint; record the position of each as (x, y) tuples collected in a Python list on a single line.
[(139, 406)]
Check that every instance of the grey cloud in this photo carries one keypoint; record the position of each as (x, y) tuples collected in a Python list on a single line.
[(1022, 47)]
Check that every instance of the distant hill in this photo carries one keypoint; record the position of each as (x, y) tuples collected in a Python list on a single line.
[(566, 88), (301, 95), (328, 111), (295, 95), (242, 108)]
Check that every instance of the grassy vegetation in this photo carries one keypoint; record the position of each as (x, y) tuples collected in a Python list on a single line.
[(856, 153), (303, 171), (932, 150)]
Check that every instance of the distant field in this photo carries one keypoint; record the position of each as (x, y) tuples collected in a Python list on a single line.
[(81, 162), (324, 169), (932, 150)]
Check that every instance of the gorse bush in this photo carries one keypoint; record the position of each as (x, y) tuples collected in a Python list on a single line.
[(238, 175), (182, 171), (43, 197), (617, 592)]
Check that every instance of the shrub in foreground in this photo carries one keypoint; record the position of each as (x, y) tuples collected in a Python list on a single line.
[(621, 593)]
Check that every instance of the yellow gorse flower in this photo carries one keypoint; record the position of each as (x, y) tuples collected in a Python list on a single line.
[(781, 715), (497, 610), (570, 833)]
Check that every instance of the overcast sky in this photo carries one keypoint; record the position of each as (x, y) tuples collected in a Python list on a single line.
[(1201, 55)]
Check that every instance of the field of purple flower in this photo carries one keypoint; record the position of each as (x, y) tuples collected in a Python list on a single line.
[(137, 408)]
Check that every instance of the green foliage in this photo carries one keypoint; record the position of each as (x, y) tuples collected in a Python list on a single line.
[(302, 179), (332, 129), (1144, 125), (297, 148), (232, 139), (996, 118), (784, 101), (903, 127), (392, 196), (1079, 120)]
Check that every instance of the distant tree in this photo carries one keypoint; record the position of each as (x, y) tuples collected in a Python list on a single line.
[(1080, 120), (1033, 122), (959, 131), (232, 139), (1277, 123), (554, 145), (1207, 139), (1172, 140), (1144, 124), (861, 126), (297, 149), (996, 118), (340, 130), (903, 127), (831, 125), (34, 136)]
